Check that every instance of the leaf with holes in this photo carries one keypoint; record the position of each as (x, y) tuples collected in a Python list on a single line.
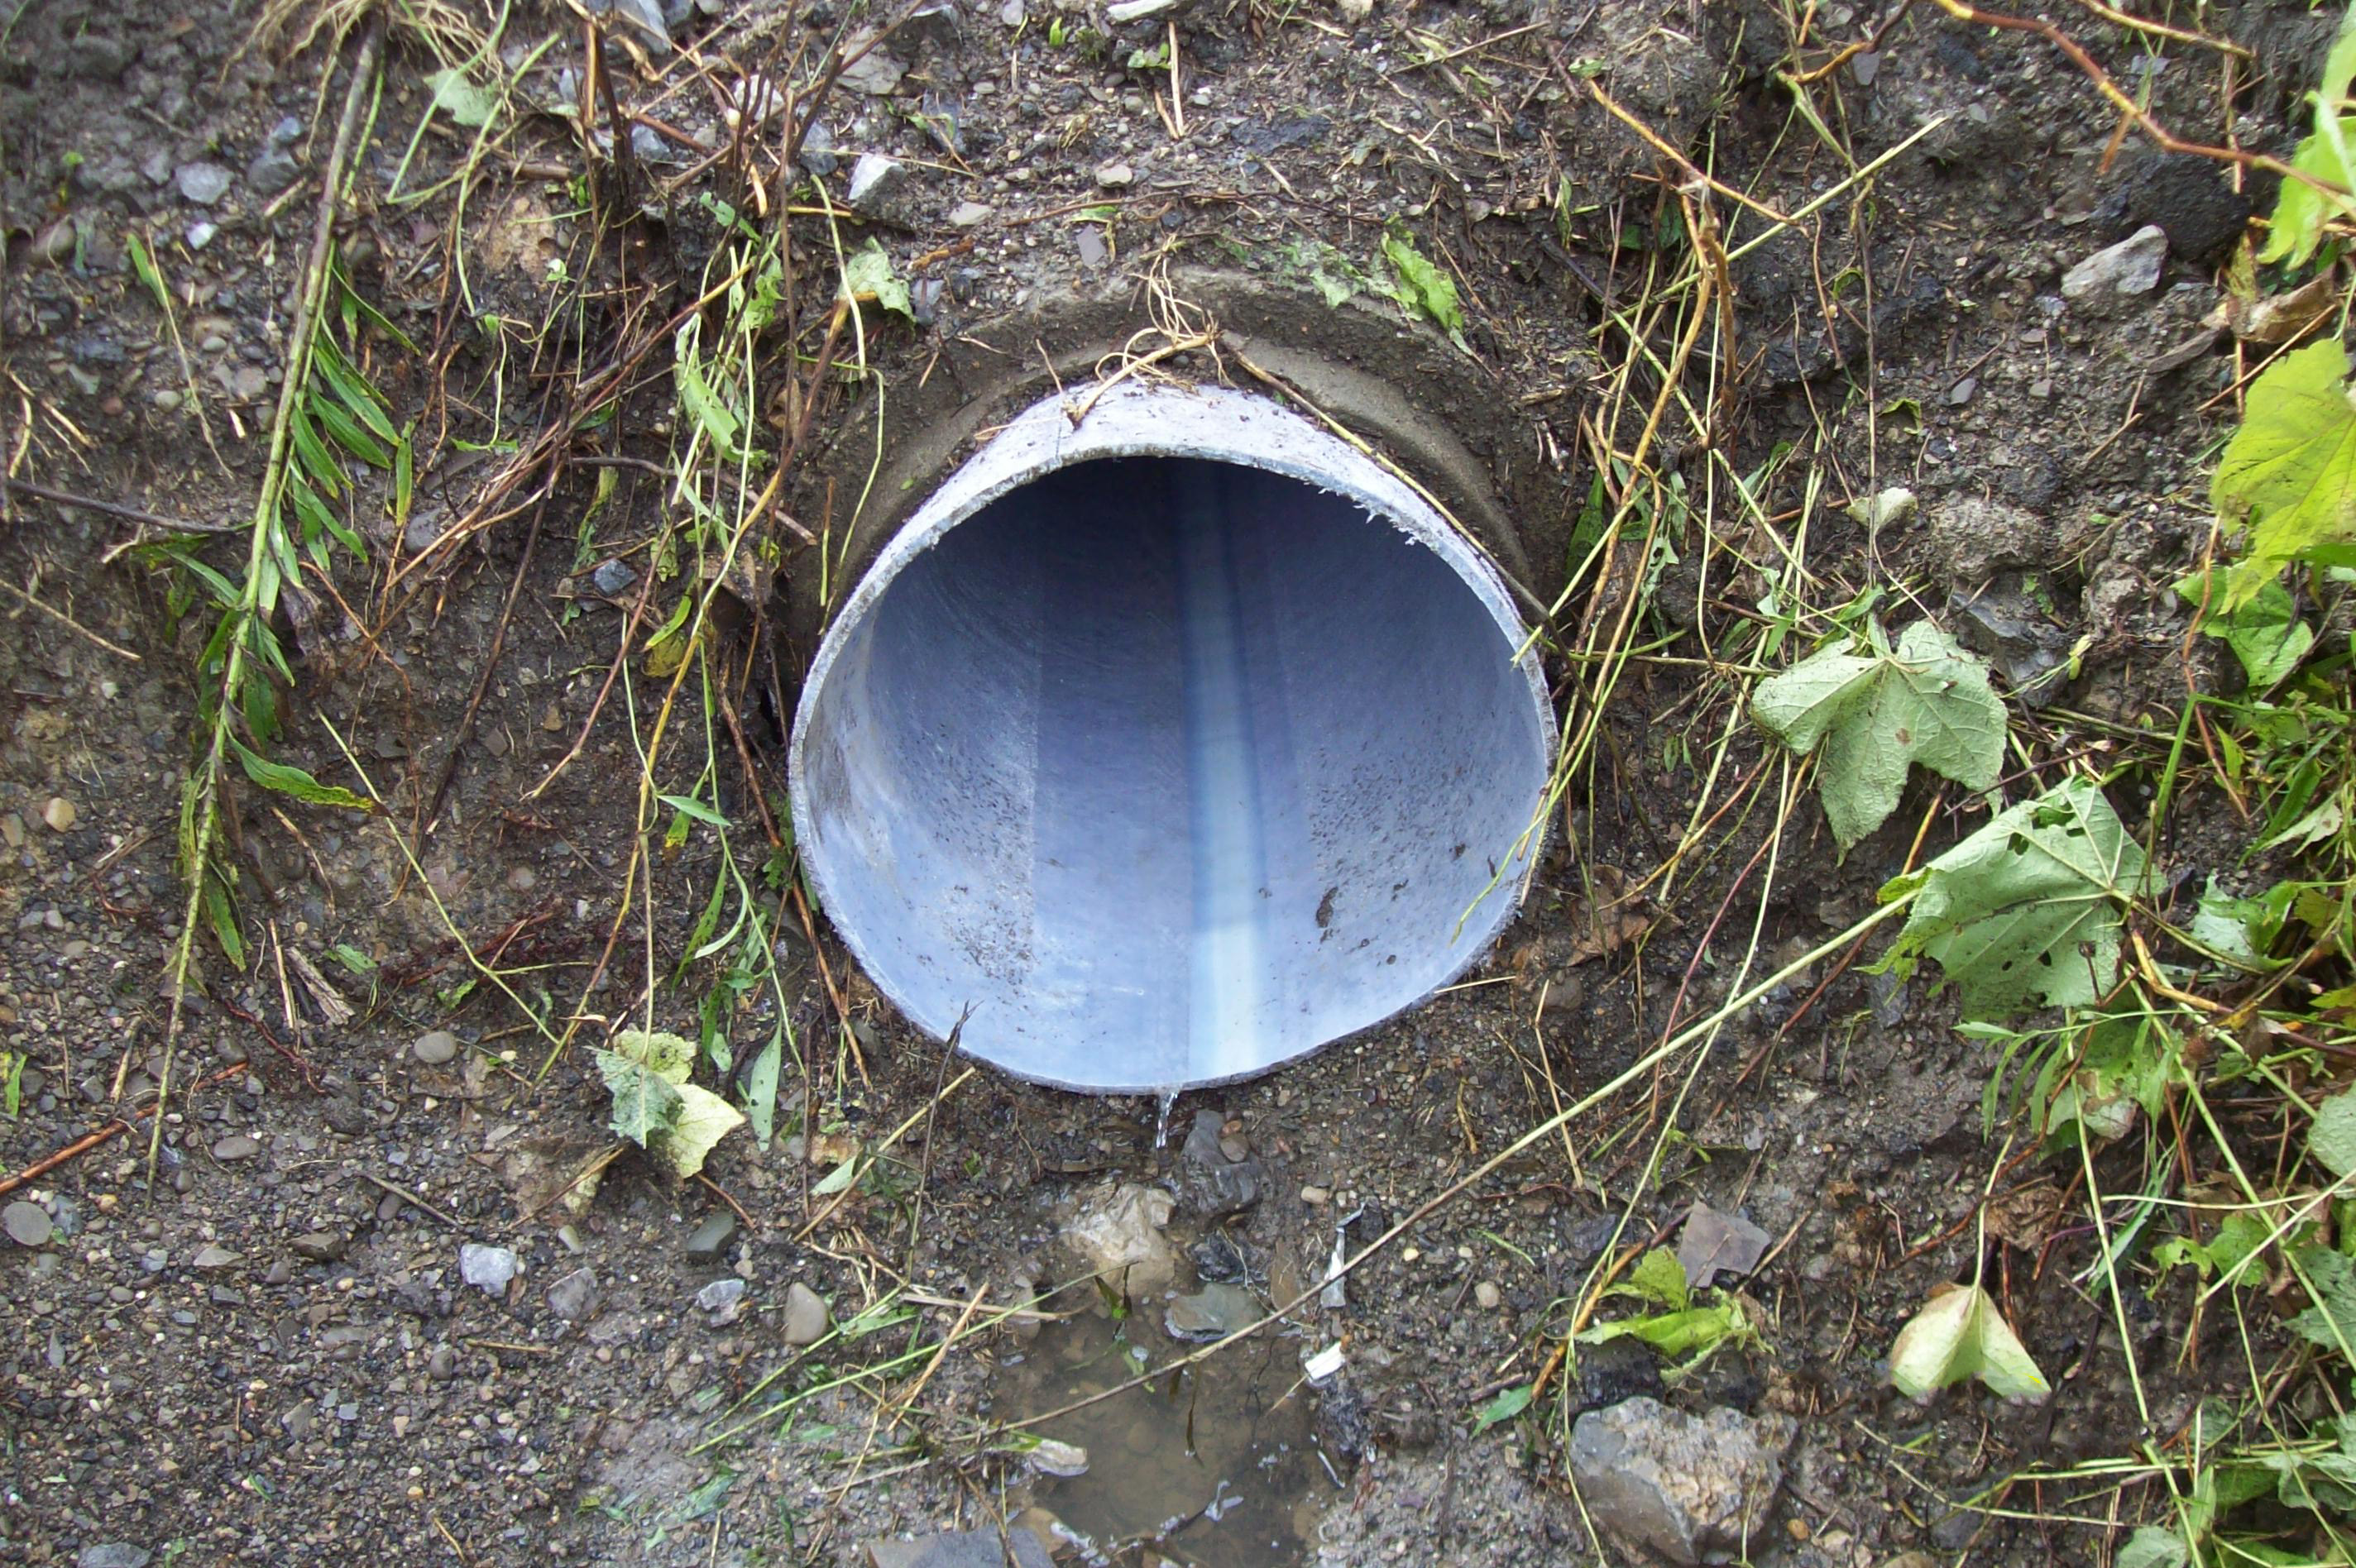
[(867, 274), (2025, 913), (703, 1119), (1875, 715), (645, 1104), (667, 1056), (1960, 1334)]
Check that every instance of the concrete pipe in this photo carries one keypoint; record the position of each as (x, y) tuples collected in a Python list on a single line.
[(1174, 740)]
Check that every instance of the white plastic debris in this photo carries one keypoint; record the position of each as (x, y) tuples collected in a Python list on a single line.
[(1321, 1366)]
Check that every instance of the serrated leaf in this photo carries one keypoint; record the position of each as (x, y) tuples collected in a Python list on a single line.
[(2265, 631), (461, 97), (2332, 1137), (2290, 471), (703, 1119), (2025, 912), (1424, 288), (645, 1104), (2300, 210), (667, 1056), (1658, 1277), (1963, 1335), (867, 274), (2330, 1322), (1503, 1408), (2232, 1251), (288, 779), (1877, 715)]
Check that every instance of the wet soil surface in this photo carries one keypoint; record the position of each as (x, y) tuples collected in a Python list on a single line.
[(247, 1334)]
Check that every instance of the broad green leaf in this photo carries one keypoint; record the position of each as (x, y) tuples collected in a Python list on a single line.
[(1503, 1408), (2232, 1251), (1963, 1335), (703, 1119), (2330, 1322), (868, 274), (2265, 631), (2153, 1546), (2025, 912), (1424, 288), (2332, 1137), (288, 779), (2290, 471), (667, 1056), (2300, 210), (461, 97), (1693, 1330), (1659, 1278), (645, 1104), (2242, 930), (1877, 715)]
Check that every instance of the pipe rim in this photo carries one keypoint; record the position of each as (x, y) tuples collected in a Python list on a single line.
[(1134, 418)]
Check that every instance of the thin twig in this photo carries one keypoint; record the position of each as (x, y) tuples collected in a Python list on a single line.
[(71, 624)]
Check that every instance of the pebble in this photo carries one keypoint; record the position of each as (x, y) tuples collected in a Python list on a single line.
[(202, 182), (236, 1147), (723, 1299), (704, 1242), (1212, 1312), (1715, 1243), (12, 830), (442, 1363), (488, 1269), (59, 814), (574, 1297), (875, 73), (2131, 267), (1684, 1486), (212, 1255), (968, 214), (435, 1047), (114, 1555), (1116, 177), (321, 1246), (1316, 1197), (200, 234), (875, 182), (1212, 1181), (1488, 1296), (28, 1224), (806, 1316), (611, 578)]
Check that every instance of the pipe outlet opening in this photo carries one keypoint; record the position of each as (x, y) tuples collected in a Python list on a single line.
[(1174, 744)]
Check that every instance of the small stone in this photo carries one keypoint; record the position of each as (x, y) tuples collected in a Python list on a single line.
[(28, 1224), (2041, 389), (1116, 177), (718, 1229), (724, 1298), (1013, 13), (1488, 1296), (271, 170), (212, 1255), (1864, 67), (963, 1549), (202, 182), (442, 1363), (574, 1297), (1316, 1197), (321, 1246), (1212, 1312), (611, 578), (435, 1047), (1715, 1243), (644, 17), (200, 234), (2128, 268), (806, 1315), (1213, 1184), (876, 182), (12, 830), (280, 1273), (969, 214), (1961, 392), (1114, 1232), (1235, 1148), (1093, 251), (1681, 1484), (875, 72), (234, 1147), (487, 1269), (817, 155), (114, 1555), (59, 814)]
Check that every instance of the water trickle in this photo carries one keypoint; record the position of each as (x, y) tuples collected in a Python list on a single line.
[(1161, 1121)]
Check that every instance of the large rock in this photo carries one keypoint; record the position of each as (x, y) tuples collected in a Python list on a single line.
[(1680, 1485), (1116, 1235)]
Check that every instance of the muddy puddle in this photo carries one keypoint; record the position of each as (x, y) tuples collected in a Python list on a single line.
[(1217, 1465)]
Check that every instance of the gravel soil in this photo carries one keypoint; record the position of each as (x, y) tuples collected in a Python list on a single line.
[(246, 1336)]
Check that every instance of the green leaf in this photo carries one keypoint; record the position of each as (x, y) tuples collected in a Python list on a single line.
[(695, 808), (2290, 471), (288, 779), (1422, 287), (868, 274), (348, 433), (2025, 912), (719, 421), (1659, 1278), (143, 263), (1693, 1330), (2232, 1251), (761, 1088), (2332, 1137), (667, 1056), (461, 97), (1877, 715), (2153, 1546), (702, 1120), (839, 1180), (1504, 1407), (2242, 930), (645, 1104), (1963, 1335), (2300, 210), (2330, 1322), (2265, 632)]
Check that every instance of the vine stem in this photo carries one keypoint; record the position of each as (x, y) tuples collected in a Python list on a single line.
[(200, 807)]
